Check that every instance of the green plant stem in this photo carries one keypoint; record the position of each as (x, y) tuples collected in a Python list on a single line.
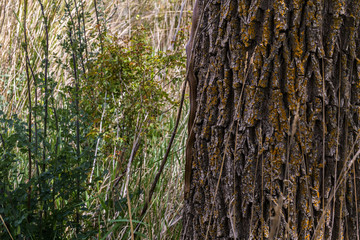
[(29, 100), (99, 139), (79, 33), (2, 141), (45, 84), (132, 156), (74, 60), (35, 113), (84, 29)]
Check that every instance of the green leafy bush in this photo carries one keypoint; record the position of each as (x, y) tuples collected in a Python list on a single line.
[(127, 82), (50, 207)]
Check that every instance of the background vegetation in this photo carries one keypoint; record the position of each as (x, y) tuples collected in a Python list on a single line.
[(89, 97)]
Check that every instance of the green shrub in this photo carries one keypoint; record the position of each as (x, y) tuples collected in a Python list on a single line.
[(129, 79)]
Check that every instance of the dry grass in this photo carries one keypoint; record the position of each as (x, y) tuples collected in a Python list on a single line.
[(118, 17)]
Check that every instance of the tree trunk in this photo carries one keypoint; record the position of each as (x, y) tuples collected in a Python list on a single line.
[(273, 148)]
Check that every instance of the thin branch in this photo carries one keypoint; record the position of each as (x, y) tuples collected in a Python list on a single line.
[(7, 229), (45, 83), (98, 26), (29, 99), (76, 77), (84, 29), (157, 177), (80, 42)]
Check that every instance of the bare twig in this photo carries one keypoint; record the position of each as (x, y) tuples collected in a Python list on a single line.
[(162, 165), (6, 227)]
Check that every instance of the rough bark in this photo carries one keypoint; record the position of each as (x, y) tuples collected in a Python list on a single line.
[(277, 121)]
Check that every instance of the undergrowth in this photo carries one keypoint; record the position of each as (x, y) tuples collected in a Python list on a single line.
[(80, 150)]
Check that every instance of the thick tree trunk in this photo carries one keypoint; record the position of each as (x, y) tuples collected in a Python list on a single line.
[(276, 127)]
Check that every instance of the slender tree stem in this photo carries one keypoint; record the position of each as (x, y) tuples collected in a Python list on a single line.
[(84, 29), (29, 100), (162, 165), (80, 41), (45, 84), (76, 77), (98, 26)]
